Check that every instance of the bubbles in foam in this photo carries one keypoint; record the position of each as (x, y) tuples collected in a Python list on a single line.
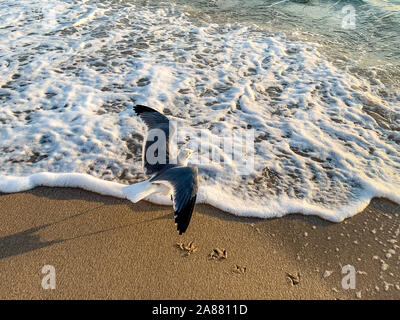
[(324, 142)]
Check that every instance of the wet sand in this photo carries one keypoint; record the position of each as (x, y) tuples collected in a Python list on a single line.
[(107, 248)]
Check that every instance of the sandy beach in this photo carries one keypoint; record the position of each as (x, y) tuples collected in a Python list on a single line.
[(107, 248), (254, 107)]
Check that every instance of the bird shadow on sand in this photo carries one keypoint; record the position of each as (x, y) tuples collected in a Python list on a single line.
[(30, 240), (23, 241)]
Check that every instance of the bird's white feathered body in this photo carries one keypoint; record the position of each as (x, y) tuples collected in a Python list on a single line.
[(141, 190)]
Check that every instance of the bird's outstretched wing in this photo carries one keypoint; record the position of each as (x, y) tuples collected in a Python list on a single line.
[(155, 153), (184, 182)]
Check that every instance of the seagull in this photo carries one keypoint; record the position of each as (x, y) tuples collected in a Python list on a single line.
[(178, 180)]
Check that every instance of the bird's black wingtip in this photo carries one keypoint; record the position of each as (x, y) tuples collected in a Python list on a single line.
[(139, 109), (183, 218)]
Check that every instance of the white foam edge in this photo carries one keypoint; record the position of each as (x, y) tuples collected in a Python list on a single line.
[(279, 207)]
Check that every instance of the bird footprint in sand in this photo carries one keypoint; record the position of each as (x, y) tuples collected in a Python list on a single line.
[(187, 248), (293, 279), (239, 269), (218, 254)]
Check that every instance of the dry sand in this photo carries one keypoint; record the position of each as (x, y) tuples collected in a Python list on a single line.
[(106, 248)]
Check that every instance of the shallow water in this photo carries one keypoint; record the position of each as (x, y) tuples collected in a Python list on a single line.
[(371, 47), (323, 102)]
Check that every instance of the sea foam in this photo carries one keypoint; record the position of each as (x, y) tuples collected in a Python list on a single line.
[(325, 143)]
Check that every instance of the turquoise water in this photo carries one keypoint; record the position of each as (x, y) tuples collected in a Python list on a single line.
[(371, 48)]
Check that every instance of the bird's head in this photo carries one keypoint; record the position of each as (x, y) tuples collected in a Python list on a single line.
[(184, 155)]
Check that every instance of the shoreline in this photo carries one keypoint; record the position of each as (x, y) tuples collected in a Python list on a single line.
[(109, 248)]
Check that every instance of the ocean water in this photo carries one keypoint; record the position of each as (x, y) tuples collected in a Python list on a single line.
[(321, 97)]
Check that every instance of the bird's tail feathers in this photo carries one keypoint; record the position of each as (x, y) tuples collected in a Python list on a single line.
[(138, 191)]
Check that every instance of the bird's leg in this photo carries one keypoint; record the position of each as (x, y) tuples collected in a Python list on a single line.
[(171, 198)]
